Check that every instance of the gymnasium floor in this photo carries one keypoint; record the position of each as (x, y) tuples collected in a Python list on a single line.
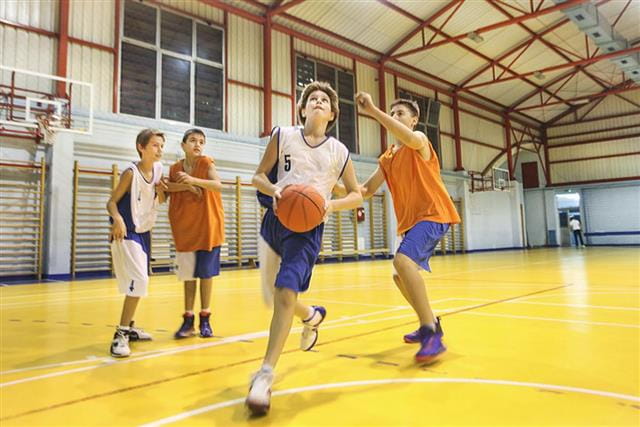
[(540, 337)]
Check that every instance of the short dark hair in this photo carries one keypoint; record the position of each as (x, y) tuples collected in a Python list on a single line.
[(333, 98), (191, 131), (409, 103), (145, 136)]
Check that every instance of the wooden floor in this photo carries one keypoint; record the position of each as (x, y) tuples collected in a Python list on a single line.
[(540, 337)]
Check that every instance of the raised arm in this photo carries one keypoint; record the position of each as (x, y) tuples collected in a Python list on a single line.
[(415, 140)]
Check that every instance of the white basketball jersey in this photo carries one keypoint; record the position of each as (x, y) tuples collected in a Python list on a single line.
[(144, 203), (299, 163)]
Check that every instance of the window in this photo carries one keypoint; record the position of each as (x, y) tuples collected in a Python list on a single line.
[(172, 67), (428, 122), (343, 82)]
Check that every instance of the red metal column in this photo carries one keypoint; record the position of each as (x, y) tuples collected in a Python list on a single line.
[(63, 45), (382, 92), (507, 131), (266, 129), (456, 134), (545, 144)]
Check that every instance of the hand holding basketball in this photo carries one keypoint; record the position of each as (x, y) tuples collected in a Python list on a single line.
[(300, 208)]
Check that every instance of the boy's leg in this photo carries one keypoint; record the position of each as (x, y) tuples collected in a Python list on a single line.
[(205, 294), (189, 295), (414, 286), (269, 265), (283, 309), (205, 311), (128, 310)]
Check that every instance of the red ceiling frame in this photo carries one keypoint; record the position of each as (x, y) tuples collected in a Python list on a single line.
[(557, 49), (596, 79), (575, 108), (492, 27), (559, 67), (305, 37), (416, 30), (579, 98), (512, 51), (597, 119), (438, 31)]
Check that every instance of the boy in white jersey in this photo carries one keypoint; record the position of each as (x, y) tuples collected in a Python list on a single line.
[(297, 155), (133, 210)]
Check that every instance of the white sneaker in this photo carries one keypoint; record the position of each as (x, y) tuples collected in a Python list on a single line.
[(137, 334), (120, 344), (259, 397), (309, 335)]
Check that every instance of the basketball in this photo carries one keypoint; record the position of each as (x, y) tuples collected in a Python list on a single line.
[(301, 208)]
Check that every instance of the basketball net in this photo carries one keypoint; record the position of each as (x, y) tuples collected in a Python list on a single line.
[(46, 134)]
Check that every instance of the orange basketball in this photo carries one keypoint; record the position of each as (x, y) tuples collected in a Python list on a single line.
[(301, 208)]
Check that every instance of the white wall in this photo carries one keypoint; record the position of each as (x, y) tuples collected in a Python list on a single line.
[(612, 215), (492, 219)]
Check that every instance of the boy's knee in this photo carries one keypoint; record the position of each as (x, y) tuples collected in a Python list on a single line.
[(285, 298)]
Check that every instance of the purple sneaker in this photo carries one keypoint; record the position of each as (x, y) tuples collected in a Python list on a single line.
[(205, 326), (431, 345), (186, 329), (414, 337)]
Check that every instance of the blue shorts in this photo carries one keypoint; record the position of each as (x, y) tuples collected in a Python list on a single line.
[(298, 251), (419, 242), (198, 264)]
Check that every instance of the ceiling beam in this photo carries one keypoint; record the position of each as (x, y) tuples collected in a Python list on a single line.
[(498, 25), (416, 30), (590, 98), (559, 67), (575, 108)]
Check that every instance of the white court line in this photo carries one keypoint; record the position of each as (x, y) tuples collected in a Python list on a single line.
[(551, 319), (175, 350), (391, 381), (604, 307), (359, 303), (101, 298)]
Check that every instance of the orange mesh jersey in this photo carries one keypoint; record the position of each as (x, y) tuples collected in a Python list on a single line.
[(417, 188), (197, 224)]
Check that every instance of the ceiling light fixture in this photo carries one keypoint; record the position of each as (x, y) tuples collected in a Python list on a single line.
[(475, 37), (538, 75)]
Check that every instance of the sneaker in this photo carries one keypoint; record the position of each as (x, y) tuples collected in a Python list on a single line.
[(309, 335), (431, 345), (137, 334), (205, 326), (186, 330), (259, 397), (120, 343), (414, 337)]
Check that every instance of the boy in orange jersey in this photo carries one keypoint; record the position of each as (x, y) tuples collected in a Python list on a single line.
[(197, 224), (423, 209)]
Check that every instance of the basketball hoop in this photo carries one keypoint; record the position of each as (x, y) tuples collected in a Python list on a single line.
[(45, 133)]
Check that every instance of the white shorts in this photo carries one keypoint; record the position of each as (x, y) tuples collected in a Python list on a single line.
[(131, 264), (197, 265)]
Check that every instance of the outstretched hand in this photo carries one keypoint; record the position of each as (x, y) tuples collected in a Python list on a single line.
[(365, 102)]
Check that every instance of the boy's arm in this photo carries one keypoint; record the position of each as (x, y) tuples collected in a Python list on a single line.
[(368, 189), (372, 184), (412, 139), (353, 198), (118, 228), (211, 184), (269, 159), (174, 187)]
